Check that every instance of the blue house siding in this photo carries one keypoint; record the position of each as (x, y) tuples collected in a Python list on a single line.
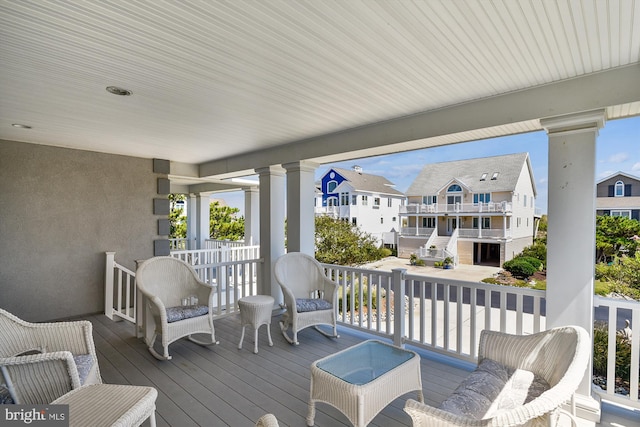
[(328, 178)]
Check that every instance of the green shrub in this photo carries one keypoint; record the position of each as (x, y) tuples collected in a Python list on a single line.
[(600, 355), (531, 260), (420, 262), (538, 250), (356, 302), (519, 268), (490, 280)]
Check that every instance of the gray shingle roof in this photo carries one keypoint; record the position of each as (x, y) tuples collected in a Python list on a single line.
[(469, 172), (367, 182)]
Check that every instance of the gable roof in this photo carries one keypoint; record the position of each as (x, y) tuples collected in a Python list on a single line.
[(434, 177), (619, 173), (366, 182)]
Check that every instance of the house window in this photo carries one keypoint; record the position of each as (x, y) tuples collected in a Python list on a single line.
[(381, 220), (455, 188), (481, 198), (486, 222), (389, 202), (332, 201), (429, 200), (376, 201), (624, 213), (354, 200), (483, 177), (495, 176), (344, 199), (365, 200), (393, 219), (428, 222), (354, 221), (619, 189), (331, 186)]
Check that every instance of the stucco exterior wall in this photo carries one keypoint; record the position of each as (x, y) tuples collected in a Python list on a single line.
[(60, 210)]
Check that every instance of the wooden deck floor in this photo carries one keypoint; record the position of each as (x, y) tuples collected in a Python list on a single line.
[(223, 386)]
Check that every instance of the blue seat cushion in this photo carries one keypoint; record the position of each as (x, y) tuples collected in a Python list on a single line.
[(5, 396), (312, 304), (175, 314), (84, 363)]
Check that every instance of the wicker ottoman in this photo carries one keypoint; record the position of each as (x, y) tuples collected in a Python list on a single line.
[(102, 405), (256, 311)]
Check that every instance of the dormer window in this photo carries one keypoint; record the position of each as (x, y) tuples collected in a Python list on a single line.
[(483, 177), (494, 176), (619, 189)]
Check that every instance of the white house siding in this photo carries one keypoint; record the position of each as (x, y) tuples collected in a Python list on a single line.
[(514, 247), (465, 252), (369, 217), (522, 218)]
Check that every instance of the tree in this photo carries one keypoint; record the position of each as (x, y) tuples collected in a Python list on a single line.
[(224, 224), (177, 219), (614, 237), (339, 242)]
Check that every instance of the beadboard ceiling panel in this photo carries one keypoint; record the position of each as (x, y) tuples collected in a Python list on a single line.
[(217, 79)]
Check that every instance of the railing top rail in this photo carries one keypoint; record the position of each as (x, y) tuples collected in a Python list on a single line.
[(477, 285), (357, 269), (123, 268), (194, 251), (617, 302), (224, 264)]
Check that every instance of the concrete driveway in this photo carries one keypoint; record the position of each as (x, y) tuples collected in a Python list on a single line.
[(473, 273)]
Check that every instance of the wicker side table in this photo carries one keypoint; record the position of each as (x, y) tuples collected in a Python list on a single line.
[(255, 310), (103, 405)]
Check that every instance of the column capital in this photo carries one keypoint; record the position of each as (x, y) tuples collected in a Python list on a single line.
[(271, 170), (251, 189), (302, 166), (575, 123)]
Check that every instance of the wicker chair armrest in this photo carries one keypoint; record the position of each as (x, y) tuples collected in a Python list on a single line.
[(289, 297), (423, 415), (330, 290), (41, 378)]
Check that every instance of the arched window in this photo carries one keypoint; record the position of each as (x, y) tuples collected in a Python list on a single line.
[(619, 192), (455, 188), (331, 186)]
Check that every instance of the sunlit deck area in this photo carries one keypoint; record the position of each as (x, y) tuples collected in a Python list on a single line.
[(224, 386)]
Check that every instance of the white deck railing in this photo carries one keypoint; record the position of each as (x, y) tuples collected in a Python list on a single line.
[(232, 272), (491, 207), (446, 316), (120, 291)]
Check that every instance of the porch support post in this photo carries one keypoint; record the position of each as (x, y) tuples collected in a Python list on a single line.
[(571, 231), (192, 221), (398, 283), (251, 216), (271, 198), (202, 219), (300, 212)]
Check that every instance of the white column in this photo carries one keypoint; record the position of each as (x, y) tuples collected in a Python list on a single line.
[(571, 230), (192, 221), (202, 219), (272, 208), (300, 213), (251, 216)]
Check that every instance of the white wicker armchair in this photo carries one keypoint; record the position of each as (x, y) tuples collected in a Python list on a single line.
[(165, 282), (61, 357), (557, 356), (310, 297)]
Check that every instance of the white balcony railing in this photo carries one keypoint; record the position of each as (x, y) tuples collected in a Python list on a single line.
[(416, 231), (491, 207), (178, 244), (446, 316), (485, 233), (438, 314)]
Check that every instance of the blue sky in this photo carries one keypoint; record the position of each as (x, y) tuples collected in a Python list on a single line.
[(617, 149)]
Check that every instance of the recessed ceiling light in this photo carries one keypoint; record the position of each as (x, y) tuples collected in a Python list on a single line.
[(21, 126), (118, 91)]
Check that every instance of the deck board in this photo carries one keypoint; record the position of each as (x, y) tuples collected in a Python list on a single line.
[(222, 386)]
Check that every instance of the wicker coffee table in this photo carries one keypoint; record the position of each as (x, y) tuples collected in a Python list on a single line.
[(362, 380)]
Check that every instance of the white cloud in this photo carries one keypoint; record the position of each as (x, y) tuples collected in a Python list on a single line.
[(542, 181), (618, 157), (605, 174), (636, 167)]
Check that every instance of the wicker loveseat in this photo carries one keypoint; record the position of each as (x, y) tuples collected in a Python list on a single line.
[(521, 380), (42, 361)]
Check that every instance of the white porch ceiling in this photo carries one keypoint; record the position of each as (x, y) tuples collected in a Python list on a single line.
[(235, 85)]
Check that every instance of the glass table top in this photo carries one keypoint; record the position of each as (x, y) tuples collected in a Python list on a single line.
[(364, 362)]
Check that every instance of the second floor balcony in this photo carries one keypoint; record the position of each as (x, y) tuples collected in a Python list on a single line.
[(491, 207)]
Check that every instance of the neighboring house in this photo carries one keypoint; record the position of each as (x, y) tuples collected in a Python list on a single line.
[(478, 211), (618, 195), (368, 201)]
